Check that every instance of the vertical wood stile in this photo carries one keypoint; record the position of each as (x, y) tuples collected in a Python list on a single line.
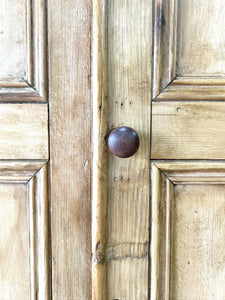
[(70, 109), (129, 104), (99, 173)]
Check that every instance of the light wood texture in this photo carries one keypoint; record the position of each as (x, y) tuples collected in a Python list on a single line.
[(70, 129), (24, 51), (194, 88), (198, 244), (40, 283), (164, 62), (23, 131), (14, 242), (183, 130), (99, 171), (129, 52), (13, 39), (186, 227), (200, 38), (24, 234), (185, 46)]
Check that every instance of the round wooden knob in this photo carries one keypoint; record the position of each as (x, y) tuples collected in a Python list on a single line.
[(123, 142)]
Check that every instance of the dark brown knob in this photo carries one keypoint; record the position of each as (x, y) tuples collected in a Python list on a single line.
[(123, 141)]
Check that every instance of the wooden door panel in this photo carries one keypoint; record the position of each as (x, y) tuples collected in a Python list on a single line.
[(188, 130), (23, 53), (24, 232), (188, 202), (188, 60), (13, 39), (24, 152), (23, 131), (200, 38)]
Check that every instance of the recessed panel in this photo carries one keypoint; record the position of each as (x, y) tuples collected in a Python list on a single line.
[(14, 242), (13, 39), (197, 243), (200, 38)]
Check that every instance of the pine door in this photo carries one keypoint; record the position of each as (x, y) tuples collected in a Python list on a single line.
[(159, 68), (45, 211), (187, 151)]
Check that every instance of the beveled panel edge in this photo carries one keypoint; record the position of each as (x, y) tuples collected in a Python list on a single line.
[(192, 172), (164, 44), (161, 221), (40, 254), (165, 83), (19, 92), (194, 88), (162, 197), (19, 171), (33, 88), (37, 47)]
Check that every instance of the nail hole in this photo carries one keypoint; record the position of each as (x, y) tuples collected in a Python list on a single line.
[(178, 109), (121, 104), (130, 103), (121, 178)]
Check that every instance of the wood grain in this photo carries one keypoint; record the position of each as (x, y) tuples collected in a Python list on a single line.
[(200, 42), (40, 280), (194, 88), (99, 133), (183, 130), (70, 128), (37, 46), (129, 69), (198, 244), (23, 131), (13, 39), (14, 242), (187, 223), (164, 55)]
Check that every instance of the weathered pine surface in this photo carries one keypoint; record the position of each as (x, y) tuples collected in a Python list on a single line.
[(70, 131), (129, 69)]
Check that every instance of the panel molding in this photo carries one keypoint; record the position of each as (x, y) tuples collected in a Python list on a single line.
[(164, 176), (166, 84), (33, 88), (39, 235)]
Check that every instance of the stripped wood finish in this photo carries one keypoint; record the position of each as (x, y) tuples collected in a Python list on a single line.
[(183, 212), (184, 130), (27, 232), (129, 75), (70, 130)]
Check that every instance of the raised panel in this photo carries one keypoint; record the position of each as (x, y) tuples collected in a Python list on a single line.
[(187, 229), (23, 53), (200, 38), (188, 60), (198, 243), (14, 242), (24, 233), (13, 39)]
